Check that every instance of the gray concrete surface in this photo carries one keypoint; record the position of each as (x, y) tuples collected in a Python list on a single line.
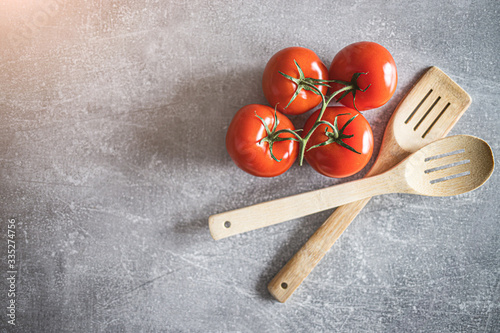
[(112, 123)]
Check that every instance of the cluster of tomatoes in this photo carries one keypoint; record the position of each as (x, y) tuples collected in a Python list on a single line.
[(337, 141)]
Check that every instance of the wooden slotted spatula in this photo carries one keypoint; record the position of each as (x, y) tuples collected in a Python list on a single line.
[(428, 112)]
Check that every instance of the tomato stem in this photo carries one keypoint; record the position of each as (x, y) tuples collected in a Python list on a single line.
[(274, 136), (306, 83), (336, 135), (355, 88)]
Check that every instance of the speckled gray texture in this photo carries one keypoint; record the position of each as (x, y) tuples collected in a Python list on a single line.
[(112, 123)]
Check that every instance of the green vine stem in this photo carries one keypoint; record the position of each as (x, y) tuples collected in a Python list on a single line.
[(336, 135), (274, 136)]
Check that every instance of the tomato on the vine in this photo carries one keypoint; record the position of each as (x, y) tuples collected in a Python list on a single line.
[(258, 149), (343, 150), (379, 74), (279, 89)]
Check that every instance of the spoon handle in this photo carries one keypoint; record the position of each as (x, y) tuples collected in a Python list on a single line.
[(280, 210)]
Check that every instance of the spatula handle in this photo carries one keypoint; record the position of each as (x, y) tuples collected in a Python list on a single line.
[(303, 262), (276, 211)]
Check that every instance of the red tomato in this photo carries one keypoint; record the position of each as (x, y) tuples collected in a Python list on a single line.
[(381, 74), (279, 90), (245, 146), (334, 160)]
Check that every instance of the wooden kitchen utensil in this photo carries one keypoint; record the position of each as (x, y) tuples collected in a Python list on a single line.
[(428, 112), (445, 167)]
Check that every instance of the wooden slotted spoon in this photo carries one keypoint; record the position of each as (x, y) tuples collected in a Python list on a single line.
[(428, 112), (449, 166)]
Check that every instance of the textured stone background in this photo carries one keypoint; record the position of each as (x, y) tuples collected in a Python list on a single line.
[(112, 123)]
